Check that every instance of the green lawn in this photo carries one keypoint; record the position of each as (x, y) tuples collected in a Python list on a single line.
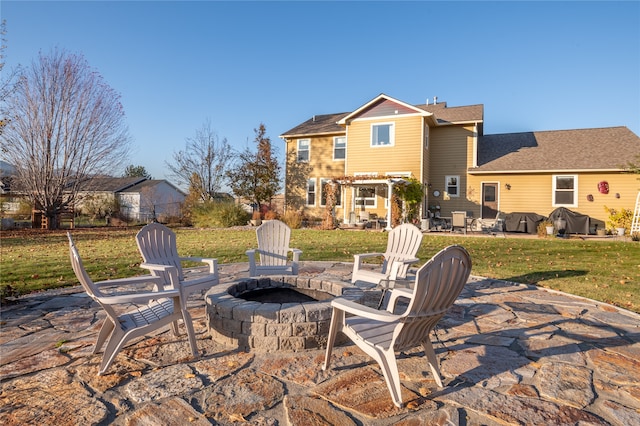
[(604, 270)]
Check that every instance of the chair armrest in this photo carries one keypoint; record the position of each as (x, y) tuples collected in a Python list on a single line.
[(364, 255), (138, 297), (395, 294), (213, 263), (140, 279), (296, 254), (362, 310), (172, 271)]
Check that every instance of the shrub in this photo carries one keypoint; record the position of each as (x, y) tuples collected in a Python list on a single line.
[(293, 219), (619, 218), (218, 214)]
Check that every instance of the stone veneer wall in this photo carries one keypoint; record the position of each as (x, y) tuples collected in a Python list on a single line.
[(269, 327)]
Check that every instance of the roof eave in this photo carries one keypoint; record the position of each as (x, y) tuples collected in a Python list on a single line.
[(512, 172)]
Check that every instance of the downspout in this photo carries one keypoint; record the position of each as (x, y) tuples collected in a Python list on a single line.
[(286, 152), (474, 160)]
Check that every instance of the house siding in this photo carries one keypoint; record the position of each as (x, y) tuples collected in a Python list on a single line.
[(403, 156), (451, 149), (534, 193), (321, 165)]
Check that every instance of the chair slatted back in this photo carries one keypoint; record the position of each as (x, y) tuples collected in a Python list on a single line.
[(81, 274), (403, 243), (273, 242), (158, 245), (437, 286)]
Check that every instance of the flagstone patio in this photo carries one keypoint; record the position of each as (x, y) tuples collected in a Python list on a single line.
[(509, 354)]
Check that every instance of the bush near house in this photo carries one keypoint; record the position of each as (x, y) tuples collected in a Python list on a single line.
[(218, 214)]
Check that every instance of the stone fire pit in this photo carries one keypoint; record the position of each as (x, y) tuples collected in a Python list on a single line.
[(237, 317)]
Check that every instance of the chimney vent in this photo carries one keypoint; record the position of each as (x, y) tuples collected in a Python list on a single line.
[(435, 100)]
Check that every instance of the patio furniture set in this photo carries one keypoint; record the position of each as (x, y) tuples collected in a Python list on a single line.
[(404, 319)]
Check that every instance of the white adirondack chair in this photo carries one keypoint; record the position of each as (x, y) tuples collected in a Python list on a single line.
[(381, 333), (158, 247), (402, 247), (273, 250), (152, 310)]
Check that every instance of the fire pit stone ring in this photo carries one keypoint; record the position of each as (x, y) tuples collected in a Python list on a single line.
[(295, 315)]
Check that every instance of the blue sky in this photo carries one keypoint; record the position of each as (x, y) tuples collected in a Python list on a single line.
[(534, 65)]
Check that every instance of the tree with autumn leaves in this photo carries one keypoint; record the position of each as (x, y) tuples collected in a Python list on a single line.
[(256, 176)]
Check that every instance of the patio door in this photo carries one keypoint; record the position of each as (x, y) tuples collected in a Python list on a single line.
[(489, 200)]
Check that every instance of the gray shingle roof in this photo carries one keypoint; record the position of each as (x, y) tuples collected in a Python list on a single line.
[(608, 148), (459, 114), (326, 124), (318, 124), (110, 184)]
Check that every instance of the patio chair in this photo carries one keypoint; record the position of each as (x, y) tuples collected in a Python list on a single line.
[(157, 245), (152, 309), (402, 246), (382, 333), (491, 226), (273, 251)]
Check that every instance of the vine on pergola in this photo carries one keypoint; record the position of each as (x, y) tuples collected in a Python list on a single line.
[(410, 192)]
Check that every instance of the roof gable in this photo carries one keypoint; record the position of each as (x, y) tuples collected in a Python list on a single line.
[(608, 148), (382, 105)]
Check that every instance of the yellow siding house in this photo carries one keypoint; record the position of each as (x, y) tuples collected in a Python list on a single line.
[(369, 151)]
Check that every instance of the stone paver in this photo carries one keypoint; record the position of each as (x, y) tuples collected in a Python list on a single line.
[(509, 354)]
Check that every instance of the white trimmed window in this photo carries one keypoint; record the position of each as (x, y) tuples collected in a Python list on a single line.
[(303, 150), (366, 196), (452, 183), (339, 147), (382, 134), (323, 194), (311, 192), (565, 191)]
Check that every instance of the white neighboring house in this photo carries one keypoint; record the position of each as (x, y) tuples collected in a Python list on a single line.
[(140, 199), (151, 200)]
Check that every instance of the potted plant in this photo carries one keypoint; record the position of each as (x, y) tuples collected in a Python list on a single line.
[(545, 228), (256, 219), (619, 220)]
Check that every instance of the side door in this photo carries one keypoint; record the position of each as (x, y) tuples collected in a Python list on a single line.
[(489, 200)]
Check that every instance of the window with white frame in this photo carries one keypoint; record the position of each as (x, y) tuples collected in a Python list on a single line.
[(339, 147), (366, 196), (323, 192), (311, 192), (382, 134), (452, 183), (303, 150), (565, 190)]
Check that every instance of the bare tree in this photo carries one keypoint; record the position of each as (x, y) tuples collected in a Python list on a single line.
[(65, 126), (7, 79), (202, 165)]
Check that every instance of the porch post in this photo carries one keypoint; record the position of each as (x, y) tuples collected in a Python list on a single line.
[(353, 202), (389, 192)]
